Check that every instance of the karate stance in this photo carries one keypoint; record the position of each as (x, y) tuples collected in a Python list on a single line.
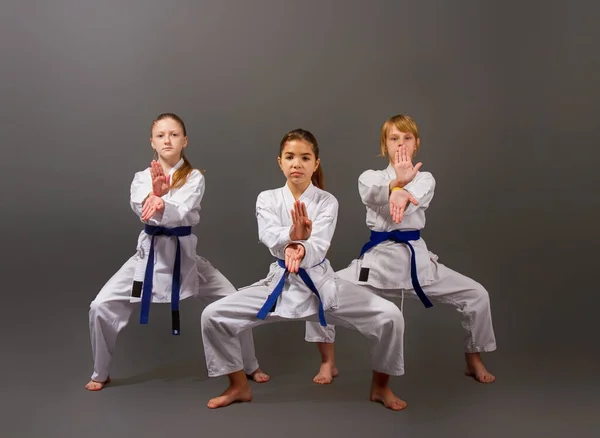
[(396, 199), (297, 222), (165, 268)]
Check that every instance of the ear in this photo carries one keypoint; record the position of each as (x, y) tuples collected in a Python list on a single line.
[(279, 162), (417, 147), (318, 163), (185, 142)]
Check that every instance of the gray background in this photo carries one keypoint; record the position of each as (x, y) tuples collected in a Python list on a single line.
[(506, 95)]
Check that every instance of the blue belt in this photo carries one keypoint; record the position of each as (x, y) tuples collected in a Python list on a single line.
[(149, 274), (405, 237), (272, 299)]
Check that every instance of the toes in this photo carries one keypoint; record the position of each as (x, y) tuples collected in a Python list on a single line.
[(322, 380), (486, 378), (397, 405), (218, 402), (262, 378)]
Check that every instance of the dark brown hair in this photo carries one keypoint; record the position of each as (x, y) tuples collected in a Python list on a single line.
[(318, 179)]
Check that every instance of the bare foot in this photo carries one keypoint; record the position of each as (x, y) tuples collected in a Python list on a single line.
[(238, 391), (479, 373), (382, 393), (326, 373), (232, 394), (387, 397), (259, 376), (477, 370), (92, 385)]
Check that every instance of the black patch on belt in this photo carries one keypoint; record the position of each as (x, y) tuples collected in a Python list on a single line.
[(274, 306), (175, 321), (364, 274), (136, 290)]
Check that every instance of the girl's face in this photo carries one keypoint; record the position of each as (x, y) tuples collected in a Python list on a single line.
[(168, 140), (298, 162), (396, 138)]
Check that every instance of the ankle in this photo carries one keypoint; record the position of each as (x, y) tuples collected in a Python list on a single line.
[(380, 380), (473, 358), (238, 379)]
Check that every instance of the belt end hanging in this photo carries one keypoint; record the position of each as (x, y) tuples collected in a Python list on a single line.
[(176, 328)]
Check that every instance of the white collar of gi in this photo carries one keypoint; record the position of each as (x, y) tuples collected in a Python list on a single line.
[(305, 196), (177, 166)]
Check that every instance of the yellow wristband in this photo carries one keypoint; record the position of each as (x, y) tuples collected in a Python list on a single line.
[(396, 188)]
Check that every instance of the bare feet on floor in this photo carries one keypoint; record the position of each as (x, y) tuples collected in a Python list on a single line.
[(231, 395), (92, 385), (259, 376), (388, 398), (382, 393), (477, 370), (238, 391), (326, 373)]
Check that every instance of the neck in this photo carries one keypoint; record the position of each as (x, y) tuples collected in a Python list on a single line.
[(297, 189), (167, 165)]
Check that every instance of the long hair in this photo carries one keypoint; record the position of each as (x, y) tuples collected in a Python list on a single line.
[(181, 174), (318, 178)]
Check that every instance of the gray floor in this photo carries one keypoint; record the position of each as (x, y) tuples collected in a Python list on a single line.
[(160, 386)]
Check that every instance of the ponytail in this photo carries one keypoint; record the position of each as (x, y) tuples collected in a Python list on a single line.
[(180, 175), (318, 179)]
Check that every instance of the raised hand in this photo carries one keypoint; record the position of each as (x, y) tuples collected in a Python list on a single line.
[(405, 171), (294, 253), (399, 200), (160, 182), (152, 204), (301, 225)]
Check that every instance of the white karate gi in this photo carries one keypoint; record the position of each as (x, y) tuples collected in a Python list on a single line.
[(112, 308), (377, 319), (388, 263)]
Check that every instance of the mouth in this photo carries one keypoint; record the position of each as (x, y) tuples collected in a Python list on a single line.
[(296, 174)]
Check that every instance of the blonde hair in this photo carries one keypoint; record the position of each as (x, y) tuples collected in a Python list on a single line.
[(180, 176), (403, 123)]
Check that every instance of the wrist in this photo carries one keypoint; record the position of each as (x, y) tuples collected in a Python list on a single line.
[(396, 185)]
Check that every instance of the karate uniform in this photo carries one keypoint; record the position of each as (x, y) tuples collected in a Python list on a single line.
[(343, 303), (111, 310), (385, 269)]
